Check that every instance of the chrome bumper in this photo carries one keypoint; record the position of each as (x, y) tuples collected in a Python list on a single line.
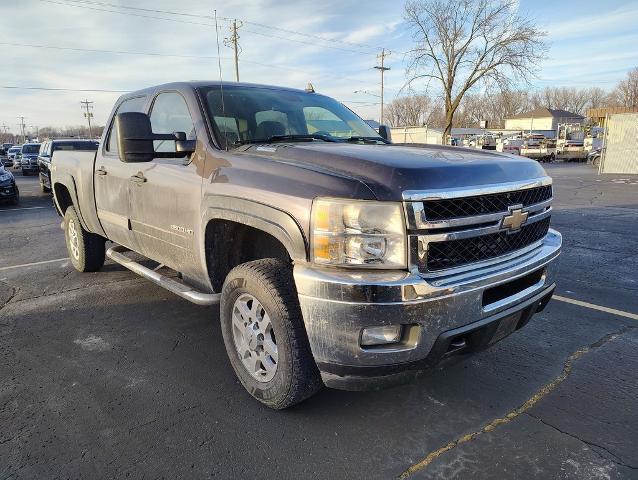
[(337, 304)]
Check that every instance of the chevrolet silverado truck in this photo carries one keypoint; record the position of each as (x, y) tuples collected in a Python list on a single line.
[(336, 258)]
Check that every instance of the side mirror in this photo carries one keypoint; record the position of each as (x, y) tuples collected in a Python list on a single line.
[(384, 132), (135, 139)]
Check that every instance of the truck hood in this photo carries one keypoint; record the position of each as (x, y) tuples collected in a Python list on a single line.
[(389, 170)]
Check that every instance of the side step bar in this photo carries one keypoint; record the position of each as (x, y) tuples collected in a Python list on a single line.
[(116, 254)]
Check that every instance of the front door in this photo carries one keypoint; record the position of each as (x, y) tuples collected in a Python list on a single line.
[(165, 199), (112, 179)]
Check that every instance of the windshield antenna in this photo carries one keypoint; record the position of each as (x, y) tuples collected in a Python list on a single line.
[(221, 81)]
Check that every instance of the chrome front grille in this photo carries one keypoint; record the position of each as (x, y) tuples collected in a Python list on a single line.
[(456, 230), (448, 208)]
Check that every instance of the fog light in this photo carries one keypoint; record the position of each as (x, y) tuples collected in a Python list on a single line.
[(381, 335)]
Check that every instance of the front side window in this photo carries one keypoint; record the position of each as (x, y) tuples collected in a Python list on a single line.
[(170, 114), (135, 104), (256, 114)]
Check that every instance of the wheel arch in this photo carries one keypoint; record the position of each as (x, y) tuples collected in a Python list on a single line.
[(236, 230), (65, 195)]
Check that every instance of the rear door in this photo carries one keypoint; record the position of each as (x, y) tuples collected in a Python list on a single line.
[(112, 180), (166, 200)]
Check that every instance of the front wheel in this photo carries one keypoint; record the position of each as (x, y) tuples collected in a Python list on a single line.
[(86, 250), (264, 334)]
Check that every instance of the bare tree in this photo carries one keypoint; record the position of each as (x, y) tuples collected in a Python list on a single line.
[(411, 111), (626, 92), (464, 42)]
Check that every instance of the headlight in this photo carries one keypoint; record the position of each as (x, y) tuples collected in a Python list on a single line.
[(358, 233), (5, 177)]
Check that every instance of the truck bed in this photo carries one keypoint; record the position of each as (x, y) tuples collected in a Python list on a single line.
[(74, 169)]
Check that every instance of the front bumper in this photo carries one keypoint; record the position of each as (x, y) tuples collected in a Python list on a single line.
[(337, 304), (8, 191)]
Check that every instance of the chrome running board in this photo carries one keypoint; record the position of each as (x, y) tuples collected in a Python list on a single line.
[(187, 292)]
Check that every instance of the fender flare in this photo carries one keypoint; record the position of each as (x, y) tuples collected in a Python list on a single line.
[(68, 181), (271, 220)]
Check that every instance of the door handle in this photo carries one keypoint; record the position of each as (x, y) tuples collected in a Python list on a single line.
[(138, 178), (101, 171)]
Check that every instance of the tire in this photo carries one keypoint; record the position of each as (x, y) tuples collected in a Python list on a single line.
[(86, 250), (270, 283), (596, 161), (16, 200), (43, 187)]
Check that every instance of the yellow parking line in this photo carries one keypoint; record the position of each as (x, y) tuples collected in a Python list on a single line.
[(600, 308), (522, 409)]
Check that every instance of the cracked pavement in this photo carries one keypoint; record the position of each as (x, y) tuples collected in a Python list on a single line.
[(106, 375)]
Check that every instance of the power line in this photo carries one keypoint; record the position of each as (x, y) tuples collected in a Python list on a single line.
[(203, 57), (64, 3), (228, 19), (17, 87), (96, 50)]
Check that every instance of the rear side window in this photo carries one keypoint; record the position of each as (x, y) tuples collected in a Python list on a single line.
[(129, 105), (71, 145), (170, 114)]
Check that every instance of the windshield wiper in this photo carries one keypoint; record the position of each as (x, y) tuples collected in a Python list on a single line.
[(282, 138), (366, 140), (302, 137)]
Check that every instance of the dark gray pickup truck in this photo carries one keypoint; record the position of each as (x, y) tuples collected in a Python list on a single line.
[(337, 258)]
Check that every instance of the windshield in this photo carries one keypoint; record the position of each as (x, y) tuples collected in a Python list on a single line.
[(14, 149), (31, 148), (254, 114), (74, 145)]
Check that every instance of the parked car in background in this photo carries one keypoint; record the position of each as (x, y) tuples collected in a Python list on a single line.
[(4, 159), (512, 145), (9, 191), (593, 157), (539, 148), (29, 158), (12, 154), (48, 149), (336, 258)]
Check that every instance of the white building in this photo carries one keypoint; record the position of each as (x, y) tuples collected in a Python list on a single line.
[(423, 134), (542, 120)]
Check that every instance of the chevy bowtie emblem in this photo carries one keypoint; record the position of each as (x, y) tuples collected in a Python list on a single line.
[(515, 219)]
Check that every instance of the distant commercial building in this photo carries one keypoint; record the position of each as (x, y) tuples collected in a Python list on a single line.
[(599, 115), (423, 134), (542, 120)]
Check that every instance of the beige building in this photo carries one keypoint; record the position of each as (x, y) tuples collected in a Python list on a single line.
[(541, 119), (599, 115)]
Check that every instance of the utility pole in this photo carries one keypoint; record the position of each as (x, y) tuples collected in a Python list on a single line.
[(232, 42), (88, 115), (22, 125), (382, 68)]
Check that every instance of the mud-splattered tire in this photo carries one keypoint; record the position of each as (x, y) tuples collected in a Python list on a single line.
[(259, 300), (86, 250)]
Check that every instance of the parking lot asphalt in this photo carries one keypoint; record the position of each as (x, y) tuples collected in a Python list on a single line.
[(106, 375)]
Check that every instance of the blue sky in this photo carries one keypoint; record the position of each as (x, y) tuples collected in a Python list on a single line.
[(591, 44)]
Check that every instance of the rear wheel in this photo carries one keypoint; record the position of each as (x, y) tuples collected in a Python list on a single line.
[(86, 250), (265, 336), (43, 187)]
